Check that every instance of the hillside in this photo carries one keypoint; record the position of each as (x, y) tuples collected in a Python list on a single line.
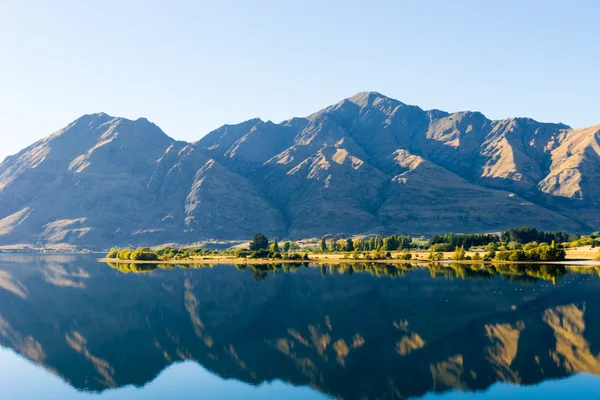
[(369, 164)]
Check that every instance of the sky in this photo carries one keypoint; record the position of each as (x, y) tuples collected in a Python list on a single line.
[(192, 66)]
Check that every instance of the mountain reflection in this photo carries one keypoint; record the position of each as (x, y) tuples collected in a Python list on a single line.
[(350, 331)]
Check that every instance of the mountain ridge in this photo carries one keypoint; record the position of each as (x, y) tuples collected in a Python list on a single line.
[(367, 164)]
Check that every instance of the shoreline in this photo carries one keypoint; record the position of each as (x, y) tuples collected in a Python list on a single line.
[(259, 261)]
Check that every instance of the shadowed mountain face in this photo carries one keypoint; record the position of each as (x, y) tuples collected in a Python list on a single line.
[(369, 164), (349, 335)]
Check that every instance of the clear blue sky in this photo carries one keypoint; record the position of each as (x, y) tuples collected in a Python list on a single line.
[(192, 66)]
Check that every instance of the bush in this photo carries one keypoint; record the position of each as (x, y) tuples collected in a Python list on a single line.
[(243, 253), (404, 256), (459, 254), (261, 253), (377, 255), (143, 255), (113, 253), (534, 252), (517, 255), (441, 247), (124, 254)]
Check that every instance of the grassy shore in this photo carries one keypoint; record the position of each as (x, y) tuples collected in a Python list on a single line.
[(581, 256)]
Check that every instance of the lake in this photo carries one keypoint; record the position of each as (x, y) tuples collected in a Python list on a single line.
[(73, 328)]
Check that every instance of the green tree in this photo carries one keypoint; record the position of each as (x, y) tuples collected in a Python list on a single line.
[(349, 245), (323, 246), (378, 243), (513, 245), (275, 246), (359, 244), (259, 242), (332, 246)]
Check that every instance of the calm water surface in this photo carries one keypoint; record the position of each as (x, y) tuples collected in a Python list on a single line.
[(72, 328)]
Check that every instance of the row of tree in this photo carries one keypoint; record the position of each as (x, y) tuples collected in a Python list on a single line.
[(529, 252), (261, 242), (374, 243), (527, 234), (464, 240), (142, 254)]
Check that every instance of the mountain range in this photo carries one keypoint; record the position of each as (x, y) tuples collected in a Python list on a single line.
[(368, 164)]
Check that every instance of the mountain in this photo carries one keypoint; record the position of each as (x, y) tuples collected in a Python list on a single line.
[(369, 164)]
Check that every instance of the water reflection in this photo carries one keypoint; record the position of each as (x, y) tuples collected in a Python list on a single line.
[(514, 272), (349, 330)]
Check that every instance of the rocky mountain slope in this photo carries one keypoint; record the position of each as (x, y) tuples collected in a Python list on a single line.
[(369, 164)]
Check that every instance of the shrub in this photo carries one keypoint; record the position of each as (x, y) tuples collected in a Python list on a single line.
[(113, 253), (124, 254), (377, 255), (440, 247), (261, 253), (243, 253), (459, 254), (143, 255), (534, 252), (517, 255)]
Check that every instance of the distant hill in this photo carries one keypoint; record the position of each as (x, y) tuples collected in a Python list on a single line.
[(368, 164)]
